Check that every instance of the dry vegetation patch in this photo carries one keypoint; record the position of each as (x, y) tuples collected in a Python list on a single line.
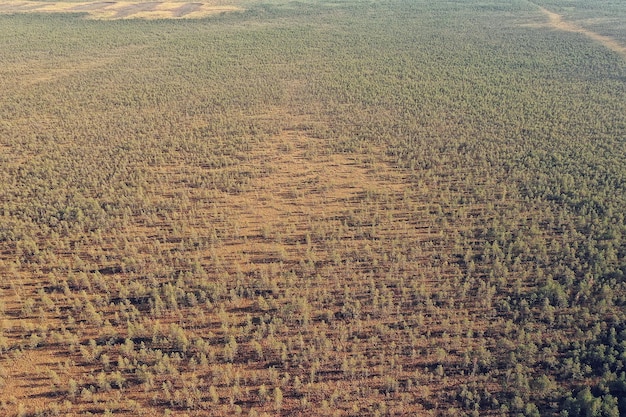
[(111, 10)]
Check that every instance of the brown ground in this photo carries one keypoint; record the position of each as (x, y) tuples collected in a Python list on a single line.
[(112, 10), (305, 204), (301, 196)]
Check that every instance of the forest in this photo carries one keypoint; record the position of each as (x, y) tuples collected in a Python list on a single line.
[(314, 208)]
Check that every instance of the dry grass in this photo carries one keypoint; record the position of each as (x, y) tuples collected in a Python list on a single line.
[(111, 10)]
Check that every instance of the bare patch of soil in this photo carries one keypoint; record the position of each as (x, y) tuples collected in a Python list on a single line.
[(111, 10), (186, 9)]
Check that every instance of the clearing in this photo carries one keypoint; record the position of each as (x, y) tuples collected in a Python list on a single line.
[(111, 10)]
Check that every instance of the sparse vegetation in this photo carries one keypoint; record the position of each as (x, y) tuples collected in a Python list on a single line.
[(314, 208)]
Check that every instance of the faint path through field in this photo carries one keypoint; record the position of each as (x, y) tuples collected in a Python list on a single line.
[(556, 21)]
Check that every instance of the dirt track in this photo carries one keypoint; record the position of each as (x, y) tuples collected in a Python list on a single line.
[(556, 21)]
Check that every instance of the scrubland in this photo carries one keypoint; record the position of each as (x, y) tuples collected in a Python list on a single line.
[(314, 208)]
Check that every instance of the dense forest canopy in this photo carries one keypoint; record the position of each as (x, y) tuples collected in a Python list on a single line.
[(315, 208)]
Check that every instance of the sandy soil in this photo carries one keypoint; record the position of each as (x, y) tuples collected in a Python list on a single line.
[(120, 9)]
